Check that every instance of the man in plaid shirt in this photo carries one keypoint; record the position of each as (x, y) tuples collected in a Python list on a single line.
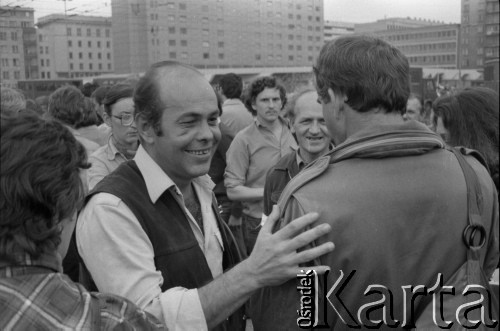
[(41, 190)]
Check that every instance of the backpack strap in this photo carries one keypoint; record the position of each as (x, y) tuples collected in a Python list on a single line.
[(95, 305)]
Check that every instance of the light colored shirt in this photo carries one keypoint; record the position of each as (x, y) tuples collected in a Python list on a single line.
[(120, 256), (104, 161), (251, 154), (235, 116)]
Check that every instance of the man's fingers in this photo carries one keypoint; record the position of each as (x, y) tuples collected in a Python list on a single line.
[(271, 220), (314, 252), (310, 235), (297, 225)]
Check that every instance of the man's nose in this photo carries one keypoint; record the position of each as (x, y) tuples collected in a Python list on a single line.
[(314, 128)]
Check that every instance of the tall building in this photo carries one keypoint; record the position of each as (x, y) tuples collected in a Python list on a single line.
[(394, 23), (472, 34), (83, 43), (429, 46), (18, 56), (335, 29), (216, 33), (492, 45)]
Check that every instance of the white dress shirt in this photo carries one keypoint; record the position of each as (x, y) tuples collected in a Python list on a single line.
[(120, 256)]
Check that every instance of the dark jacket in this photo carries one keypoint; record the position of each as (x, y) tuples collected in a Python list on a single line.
[(277, 178)]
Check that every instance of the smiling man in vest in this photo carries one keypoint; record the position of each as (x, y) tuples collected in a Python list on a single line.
[(150, 230)]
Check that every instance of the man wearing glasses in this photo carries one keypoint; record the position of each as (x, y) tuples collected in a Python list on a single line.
[(124, 140)]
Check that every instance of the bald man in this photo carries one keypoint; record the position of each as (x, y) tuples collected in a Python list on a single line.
[(151, 231)]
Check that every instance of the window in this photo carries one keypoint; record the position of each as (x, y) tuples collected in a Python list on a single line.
[(70, 43), (220, 33), (70, 55), (205, 32), (183, 30), (90, 55), (184, 55), (220, 44), (42, 63), (204, 20), (90, 66), (46, 49), (81, 66), (221, 56), (171, 43), (80, 55), (182, 6), (184, 43), (108, 44), (99, 55), (79, 32), (15, 49), (99, 44), (171, 18), (182, 19), (15, 62), (171, 29), (71, 66), (257, 57), (79, 43), (172, 55), (89, 32), (108, 56), (68, 31), (100, 66), (205, 44), (108, 33), (47, 62), (40, 37), (5, 62), (43, 75), (290, 57), (13, 35), (41, 50), (109, 66), (89, 43), (97, 32), (206, 55)]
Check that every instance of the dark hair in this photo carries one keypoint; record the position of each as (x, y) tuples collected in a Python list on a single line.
[(89, 114), (231, 85), (147, 98), (368, 71), (115, 93), (89, 88), (471, 118), (12, 101), (99, 94), (290, 112), (257, 86), (40, 183), (65, 105)]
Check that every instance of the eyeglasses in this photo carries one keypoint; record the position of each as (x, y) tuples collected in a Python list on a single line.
[(126, 119)]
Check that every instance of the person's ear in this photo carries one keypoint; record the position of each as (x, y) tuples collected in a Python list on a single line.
[(339, 103), (106, 118), (145, 129)]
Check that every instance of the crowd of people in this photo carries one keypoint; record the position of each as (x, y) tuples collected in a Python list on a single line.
[(172, 203)]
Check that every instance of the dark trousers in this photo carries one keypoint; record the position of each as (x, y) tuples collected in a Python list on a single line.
[(251, 228)]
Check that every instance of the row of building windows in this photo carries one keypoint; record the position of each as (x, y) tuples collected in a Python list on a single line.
[(16, 75), (44, 63), (422, 35), (258, 57), (89, 43), (90, 66), (6, 62), (44, 74), (428, 47), (46, 49), (69, 32), (432, 59), (90, 55)]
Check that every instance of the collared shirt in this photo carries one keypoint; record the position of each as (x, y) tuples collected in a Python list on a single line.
[(120, 256), (235, 116), (34, 295), (98, 134), (251, 154), (104, 161)]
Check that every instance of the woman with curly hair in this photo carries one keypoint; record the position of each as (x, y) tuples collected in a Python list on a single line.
[(469, 118)]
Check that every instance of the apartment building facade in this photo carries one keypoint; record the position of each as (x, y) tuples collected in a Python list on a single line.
[(84, 46), (216, 33), (434, 46), (18, 55), (394, 23), (492, 45)]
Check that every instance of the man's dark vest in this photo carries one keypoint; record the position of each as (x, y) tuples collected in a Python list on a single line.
[(177, 254)]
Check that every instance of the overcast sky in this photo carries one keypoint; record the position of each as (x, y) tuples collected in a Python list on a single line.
[(355, 11)]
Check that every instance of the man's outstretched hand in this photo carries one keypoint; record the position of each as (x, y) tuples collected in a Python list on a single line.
[(275, 258)]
